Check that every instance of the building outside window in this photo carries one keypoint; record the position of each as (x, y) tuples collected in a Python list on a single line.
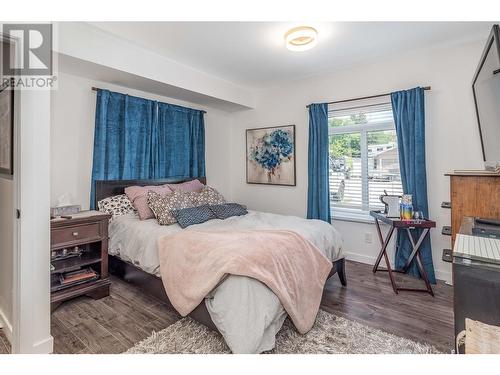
[(363, 157)]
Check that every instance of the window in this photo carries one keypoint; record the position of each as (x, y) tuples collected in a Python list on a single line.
[(363, 159)]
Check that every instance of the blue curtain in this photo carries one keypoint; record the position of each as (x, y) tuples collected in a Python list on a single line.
[(179, 142), (136, 138), (409, 117), (318, 199)]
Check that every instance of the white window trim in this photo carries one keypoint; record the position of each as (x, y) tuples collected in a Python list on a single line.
[(357, 128), (352, 214)]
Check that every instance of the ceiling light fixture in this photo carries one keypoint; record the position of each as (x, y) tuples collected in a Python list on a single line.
[(301, 38)]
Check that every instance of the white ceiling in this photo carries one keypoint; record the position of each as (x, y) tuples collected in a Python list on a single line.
[(252, 54)]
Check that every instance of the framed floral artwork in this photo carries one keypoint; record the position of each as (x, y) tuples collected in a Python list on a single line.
[(270, 155)]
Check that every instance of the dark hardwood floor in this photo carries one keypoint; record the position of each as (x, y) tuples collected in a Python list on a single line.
[(4, 343), (110, 325), (113, 324), (369, 299)]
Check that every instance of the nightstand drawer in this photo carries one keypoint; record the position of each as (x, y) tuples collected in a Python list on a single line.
[(75, 235)]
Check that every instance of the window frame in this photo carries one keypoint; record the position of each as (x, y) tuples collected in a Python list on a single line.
[(350, 213)]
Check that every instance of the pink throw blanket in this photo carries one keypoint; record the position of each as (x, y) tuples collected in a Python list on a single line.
[(193, 263)]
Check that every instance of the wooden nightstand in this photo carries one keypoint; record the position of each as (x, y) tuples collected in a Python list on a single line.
[(85, 232)]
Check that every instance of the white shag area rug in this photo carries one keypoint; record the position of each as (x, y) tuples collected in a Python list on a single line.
[(331, 334)]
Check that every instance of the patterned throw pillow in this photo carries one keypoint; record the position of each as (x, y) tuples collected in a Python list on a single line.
[(193, 215), (208, 195), (116, 205), (224, 211), (163, 205), (138, 195)]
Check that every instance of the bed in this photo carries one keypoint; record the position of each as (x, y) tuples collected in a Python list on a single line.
[(133, 257)]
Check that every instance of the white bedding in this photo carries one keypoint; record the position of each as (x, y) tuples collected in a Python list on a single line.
[(245, 311)]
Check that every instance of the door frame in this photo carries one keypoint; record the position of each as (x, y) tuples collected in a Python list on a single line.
[(31, 237)]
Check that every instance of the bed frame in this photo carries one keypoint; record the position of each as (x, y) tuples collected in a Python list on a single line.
[(152, 284)]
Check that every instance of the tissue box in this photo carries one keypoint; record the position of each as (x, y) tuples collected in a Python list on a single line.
[(65, 210)]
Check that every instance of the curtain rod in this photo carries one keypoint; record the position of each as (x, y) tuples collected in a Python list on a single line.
[(364, 97), (97, 88)]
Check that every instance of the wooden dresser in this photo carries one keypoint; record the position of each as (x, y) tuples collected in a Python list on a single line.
[(473, 194), (86, 233)]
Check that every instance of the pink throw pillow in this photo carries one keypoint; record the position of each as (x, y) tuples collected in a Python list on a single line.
[(189, 186), (138, 195)]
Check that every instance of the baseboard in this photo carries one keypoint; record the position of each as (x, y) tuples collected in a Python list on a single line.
[(444, 276), (360, 258), (45, 346), (440, 274), (6, 326)]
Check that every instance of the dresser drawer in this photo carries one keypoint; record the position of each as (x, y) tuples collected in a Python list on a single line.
[(75, 235)]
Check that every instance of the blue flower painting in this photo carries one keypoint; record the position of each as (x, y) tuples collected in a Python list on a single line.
[(271, 155)]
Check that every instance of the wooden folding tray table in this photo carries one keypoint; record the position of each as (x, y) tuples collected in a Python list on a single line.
[(408, 225)]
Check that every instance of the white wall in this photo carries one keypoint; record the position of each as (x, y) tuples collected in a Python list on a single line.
[(452, 139), (6, 253), (72, 138)]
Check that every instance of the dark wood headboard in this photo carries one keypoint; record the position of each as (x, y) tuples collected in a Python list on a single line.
[(108, 188)]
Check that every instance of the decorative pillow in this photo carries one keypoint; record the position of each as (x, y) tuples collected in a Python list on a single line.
[(223, 211), (193, 185), (138, 195), (163, 205), (116, 205), (208, 195), (193, 215)]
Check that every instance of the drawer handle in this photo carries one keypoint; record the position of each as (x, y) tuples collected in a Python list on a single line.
[(75, 234)]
